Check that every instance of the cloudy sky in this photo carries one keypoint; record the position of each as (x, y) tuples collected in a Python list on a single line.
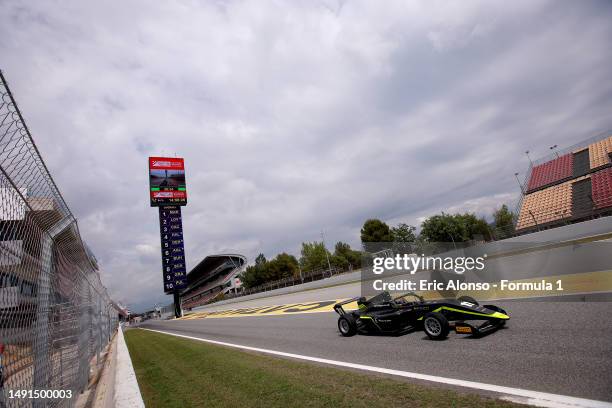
[(296, 116)]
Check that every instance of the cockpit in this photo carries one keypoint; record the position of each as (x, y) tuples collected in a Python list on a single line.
[(384, 299)]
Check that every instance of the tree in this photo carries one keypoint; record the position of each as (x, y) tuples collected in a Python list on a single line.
[(314, 256), (375, 230), (260, 260), (443, 228), (343, 251), (342, 248), (286, 265), (283, 266), (339, 262), (475, 227), (503, 220), (252, 276), (403, 238), (454, 228), (403, 233)]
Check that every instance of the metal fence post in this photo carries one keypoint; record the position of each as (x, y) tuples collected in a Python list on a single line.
[(99, 334), (90, 337), (83, 340), (41, 327)]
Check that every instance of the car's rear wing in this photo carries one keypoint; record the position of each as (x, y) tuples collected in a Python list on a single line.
[(338, 306)]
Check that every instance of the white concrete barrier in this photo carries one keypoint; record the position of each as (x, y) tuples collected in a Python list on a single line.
[(127, 393)]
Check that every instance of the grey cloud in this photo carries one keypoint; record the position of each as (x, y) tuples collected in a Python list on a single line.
[(296, 117)]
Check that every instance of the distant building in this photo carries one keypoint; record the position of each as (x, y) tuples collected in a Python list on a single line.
[(213, 276)]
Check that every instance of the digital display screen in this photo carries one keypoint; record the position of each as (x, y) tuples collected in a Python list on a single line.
[(167, 181)]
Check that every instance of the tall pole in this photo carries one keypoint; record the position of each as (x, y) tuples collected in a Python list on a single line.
[(534, 220), (326, 254), (530, 161), (177, 305), (519, 183), (554, 149), (452, 239)]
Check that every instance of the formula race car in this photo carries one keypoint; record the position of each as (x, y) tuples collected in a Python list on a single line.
[(387, 315)]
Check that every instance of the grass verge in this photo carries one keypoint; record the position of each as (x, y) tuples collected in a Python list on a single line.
[(176, 372)]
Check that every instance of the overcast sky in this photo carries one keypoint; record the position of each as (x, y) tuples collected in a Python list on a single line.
[(297, 116)]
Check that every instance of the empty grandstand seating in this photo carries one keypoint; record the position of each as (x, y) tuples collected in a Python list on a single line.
[(201, 299), (551, 171), (569, 188), (545, 206), (602, 188), (210, 278), (599, 152)]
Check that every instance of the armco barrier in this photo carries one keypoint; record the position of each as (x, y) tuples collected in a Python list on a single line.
[(55, 314)]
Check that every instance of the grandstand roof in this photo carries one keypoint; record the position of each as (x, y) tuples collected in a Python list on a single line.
[(211, 266)]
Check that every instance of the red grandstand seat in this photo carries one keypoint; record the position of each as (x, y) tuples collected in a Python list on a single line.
[(551, 171), (602, 188)]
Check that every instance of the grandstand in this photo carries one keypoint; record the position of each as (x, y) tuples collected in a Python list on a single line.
[(569, 187), (213, 276)]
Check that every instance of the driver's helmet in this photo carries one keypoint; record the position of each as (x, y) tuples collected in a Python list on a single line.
[(383, 299), (362, 303)]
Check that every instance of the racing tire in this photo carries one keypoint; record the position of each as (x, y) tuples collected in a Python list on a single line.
[(436, 325), (468, 299), (347, 325)]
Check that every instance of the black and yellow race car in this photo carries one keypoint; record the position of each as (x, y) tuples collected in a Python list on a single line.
[(410, 312)]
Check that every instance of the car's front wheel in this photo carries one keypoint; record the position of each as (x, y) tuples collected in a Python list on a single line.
[(436, 325), (347, 325)]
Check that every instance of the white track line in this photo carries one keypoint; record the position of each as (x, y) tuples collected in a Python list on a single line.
[(519, 395)]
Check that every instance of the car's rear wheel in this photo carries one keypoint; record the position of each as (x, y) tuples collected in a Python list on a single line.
[(436, 325), (468, 299), (347, 325)]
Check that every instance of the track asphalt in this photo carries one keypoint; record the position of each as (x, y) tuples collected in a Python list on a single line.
[(555, 347)]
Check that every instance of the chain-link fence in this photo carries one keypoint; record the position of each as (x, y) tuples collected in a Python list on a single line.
[(55, 314)]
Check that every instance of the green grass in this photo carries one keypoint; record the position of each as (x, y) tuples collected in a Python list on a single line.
[(176, 372)]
